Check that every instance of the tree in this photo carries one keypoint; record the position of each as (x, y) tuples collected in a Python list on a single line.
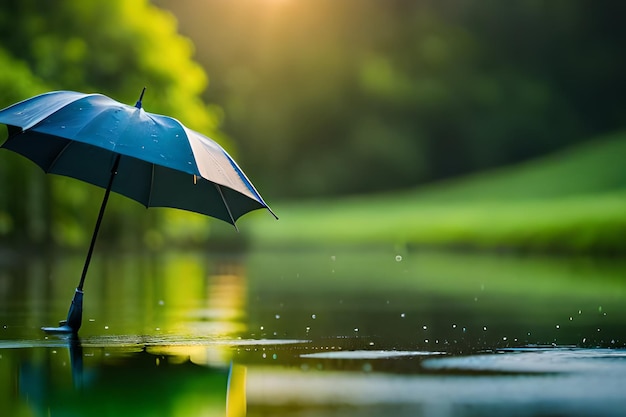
[(111, 46)]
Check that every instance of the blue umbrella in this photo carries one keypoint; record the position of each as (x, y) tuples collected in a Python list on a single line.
[(147, 157)]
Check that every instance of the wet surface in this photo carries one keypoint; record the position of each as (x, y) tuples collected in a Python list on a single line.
[(318, 334)]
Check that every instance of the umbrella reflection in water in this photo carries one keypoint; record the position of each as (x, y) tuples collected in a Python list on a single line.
[(115, 381)]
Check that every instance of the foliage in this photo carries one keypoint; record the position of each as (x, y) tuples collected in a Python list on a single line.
[(571, 202), (111, 46), (358, 96)]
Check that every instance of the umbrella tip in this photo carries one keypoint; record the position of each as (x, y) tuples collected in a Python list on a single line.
[(138, 103)]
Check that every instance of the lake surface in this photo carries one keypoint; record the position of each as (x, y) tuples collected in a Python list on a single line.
[(315, 333)]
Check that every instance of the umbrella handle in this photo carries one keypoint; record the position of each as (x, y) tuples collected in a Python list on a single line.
[(75, 313), (98, 222)]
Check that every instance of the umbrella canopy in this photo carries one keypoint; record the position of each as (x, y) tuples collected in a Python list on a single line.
[(147, 157), (162, 163)]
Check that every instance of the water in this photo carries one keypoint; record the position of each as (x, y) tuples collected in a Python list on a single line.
[(316, 333)]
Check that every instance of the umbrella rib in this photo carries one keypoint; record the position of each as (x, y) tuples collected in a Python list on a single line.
[(219, 189), (56, 158), (151, 187)]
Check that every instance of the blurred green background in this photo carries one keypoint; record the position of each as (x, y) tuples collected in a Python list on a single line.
[(472, 124)]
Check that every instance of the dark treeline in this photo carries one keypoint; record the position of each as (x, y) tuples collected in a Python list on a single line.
[(325, 97)]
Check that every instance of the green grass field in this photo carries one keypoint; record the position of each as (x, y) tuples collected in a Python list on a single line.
[(570, 202)]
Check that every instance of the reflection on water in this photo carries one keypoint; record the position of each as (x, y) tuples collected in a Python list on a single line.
[(317, 334), (109, 381)]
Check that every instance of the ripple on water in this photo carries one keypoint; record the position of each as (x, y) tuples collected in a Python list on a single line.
[(368, 354), (536, 360)]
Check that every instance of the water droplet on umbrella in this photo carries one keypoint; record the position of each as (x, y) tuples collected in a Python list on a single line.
[(398, 258), (313, 316), (277, 316)]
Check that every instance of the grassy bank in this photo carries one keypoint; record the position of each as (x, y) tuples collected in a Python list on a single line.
[(572, 202)]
